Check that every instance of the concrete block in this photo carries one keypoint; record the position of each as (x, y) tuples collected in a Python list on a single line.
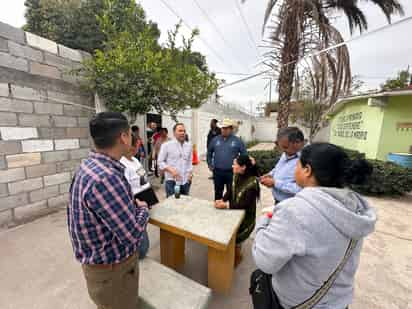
[(173, 290), (12, 33), (22, 160), (64, 188), (7, 148), (72, 77), (37, 145), (73, 110), (56, 61), (69, 53), (17, 133), (83, 122), (31, 211), (4, 90), (8, 119), (34, 120), (48, 108), (4, 47), (64, 122), (63, 144), (77, 132), (26, 93), (44, 194), (9, 61), (16, 106), (52, 133), (25, 185), (67, 166), (60, 97), (44, 70), (40, 170), (6, 217), (86, 143), (55, 156), (79, 153), (25, 52), (41, 43), (12, 175), (59, 201), (2, 162), (3, 190), (56, 179)]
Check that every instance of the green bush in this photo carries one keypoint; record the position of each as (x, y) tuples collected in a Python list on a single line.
[(387, 179), (251, 144)]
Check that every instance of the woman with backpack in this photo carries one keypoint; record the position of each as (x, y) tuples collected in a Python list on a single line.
[(308, 249)]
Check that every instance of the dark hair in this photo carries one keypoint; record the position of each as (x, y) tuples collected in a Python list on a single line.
[(251, 169), (134, 139), (293, 134), (176, 125), (164, 130), (332, 167), (214, 121), (135, 128), (106, 127)]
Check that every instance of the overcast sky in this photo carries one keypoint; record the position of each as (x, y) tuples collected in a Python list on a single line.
[(374, 57)]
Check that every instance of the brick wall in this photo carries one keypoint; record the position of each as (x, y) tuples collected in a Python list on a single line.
[(44, 117)]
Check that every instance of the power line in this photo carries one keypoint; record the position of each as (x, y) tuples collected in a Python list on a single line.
[(249, 32), (317, 53), (191, 29), (215, 27), (234, 73)]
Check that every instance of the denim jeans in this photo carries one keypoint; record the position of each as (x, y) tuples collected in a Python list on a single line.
[(144, 245), (222, 178), (170, 188)]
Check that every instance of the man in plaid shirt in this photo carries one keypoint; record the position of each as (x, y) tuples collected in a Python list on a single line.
[(105, 222)]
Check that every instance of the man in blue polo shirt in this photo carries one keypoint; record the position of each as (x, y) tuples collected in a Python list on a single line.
[(222, 150), (282, 178)]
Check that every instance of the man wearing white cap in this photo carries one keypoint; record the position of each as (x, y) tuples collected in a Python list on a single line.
[(220, 155)]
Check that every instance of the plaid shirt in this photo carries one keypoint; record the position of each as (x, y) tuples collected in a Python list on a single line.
[(105, 225)]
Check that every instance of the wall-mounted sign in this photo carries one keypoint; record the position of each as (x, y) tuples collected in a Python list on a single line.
[(350, 126)]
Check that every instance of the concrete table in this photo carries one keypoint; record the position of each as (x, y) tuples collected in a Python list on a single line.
[(198, 220)]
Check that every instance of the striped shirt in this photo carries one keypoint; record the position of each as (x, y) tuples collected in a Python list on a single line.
[(104, 223)]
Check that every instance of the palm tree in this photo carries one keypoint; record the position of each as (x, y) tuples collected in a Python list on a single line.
[(300, 27)]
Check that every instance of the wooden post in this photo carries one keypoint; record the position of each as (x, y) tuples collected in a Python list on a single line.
[(221, 267), (172, 249)]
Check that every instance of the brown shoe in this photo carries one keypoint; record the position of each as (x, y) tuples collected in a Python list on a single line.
[(238, 255)]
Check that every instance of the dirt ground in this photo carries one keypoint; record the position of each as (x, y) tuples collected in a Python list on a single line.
[(37, 268)]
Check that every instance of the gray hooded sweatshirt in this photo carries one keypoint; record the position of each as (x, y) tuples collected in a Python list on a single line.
[(306, 239)]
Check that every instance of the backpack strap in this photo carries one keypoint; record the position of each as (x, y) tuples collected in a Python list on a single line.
[(323, 290)]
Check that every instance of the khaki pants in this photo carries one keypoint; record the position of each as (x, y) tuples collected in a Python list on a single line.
[(114, 286)]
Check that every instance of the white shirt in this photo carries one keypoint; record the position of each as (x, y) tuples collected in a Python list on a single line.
[(177, 155), (135, 175)]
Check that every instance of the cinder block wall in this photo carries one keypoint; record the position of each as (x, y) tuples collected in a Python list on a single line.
[(44, 117)]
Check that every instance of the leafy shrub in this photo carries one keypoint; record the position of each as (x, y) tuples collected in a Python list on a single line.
[(387, 179), (251, 144)]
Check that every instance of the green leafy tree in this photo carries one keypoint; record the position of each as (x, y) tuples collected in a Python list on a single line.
[(402, 81), (74, 23), (134, 74)]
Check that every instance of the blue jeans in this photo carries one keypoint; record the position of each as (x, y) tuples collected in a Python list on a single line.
[(221, 178), (170, 188), (144, 245)]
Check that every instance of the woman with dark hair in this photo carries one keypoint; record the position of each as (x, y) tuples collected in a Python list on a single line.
[(310, 245), (242, 194)]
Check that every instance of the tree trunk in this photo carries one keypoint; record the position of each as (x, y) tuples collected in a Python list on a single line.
[(290, 56)]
